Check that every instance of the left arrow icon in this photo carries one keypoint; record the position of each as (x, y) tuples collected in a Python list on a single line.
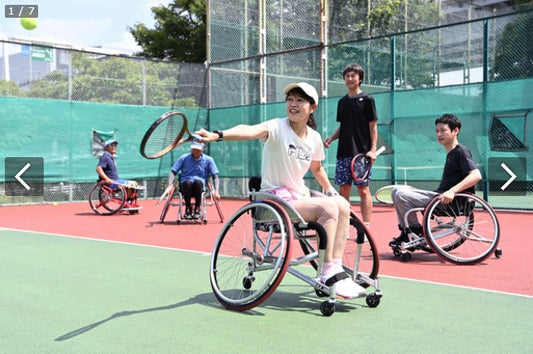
[(20, 173)]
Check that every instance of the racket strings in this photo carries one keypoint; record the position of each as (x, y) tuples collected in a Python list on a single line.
[(361, 166), (164, 134)]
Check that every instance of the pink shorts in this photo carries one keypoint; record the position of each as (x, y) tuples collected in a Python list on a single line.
[(285, 193)]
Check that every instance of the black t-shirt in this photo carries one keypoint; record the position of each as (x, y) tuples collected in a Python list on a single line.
[(459, 164), (354, 114)]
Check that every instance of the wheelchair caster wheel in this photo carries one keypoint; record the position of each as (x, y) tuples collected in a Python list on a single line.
[(498, 253), (327, 308), (247, 282), (372, 300), (396, 251), (320, 293), (406, 257), (205, 221)]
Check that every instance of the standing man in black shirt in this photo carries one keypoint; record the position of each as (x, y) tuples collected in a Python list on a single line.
[(357, 134)]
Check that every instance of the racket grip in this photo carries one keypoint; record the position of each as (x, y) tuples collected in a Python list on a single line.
[(380, 150)]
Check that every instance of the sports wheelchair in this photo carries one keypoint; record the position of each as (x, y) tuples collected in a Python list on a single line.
[(206, 201), (465, 231), (110, 199), (254, 249)]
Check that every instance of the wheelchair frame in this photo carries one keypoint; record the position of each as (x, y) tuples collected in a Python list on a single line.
[(254, 248), (107, 200), (464, 232), (180, 203)]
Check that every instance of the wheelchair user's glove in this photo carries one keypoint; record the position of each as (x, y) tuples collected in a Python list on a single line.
[(331, 192)]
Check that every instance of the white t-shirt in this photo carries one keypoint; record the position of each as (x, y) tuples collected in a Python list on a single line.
[(287, 157)]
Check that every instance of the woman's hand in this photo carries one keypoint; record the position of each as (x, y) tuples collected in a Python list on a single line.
[(206, 136)]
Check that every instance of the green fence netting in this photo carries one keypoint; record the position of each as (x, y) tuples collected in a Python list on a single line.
[(495, 130)]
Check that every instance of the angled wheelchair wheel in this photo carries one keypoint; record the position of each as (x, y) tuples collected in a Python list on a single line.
[(215, 202), (251, 255), (168, 200), (360, 252), (105, 200), (466, 231)]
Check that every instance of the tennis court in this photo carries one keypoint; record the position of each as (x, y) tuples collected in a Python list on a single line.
[(74, 281)]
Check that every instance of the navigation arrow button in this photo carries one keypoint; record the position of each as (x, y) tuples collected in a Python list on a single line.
[(510, 180), (20, 173)]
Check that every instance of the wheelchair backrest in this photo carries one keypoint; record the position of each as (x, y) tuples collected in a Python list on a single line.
[(254, 186)]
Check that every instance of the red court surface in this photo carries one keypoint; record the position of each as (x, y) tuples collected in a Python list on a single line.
[(511, 273)]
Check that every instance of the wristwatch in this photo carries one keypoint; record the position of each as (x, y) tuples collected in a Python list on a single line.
[(220, 134)]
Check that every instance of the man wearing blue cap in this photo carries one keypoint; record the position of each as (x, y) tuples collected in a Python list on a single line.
[(107, 169), (195, 168)]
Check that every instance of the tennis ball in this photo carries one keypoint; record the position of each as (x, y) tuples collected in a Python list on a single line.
[(54, 204), (28, 23)]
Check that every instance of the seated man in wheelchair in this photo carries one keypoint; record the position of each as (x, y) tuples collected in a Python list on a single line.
[(107, 169), (291, 148), (195, 168), (460, 174)]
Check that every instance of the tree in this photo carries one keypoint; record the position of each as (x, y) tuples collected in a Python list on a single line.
[(358, 19), (179, 33), (514, 50)]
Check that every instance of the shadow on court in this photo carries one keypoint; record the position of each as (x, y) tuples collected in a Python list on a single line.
[(204, 299), (303, 302)]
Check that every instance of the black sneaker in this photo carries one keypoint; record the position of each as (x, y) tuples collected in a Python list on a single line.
[(397, 241), (188, 214), (196, 214)]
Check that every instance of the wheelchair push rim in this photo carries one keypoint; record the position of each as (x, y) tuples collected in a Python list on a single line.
[(105, 200), (251, 255), (466, 231)]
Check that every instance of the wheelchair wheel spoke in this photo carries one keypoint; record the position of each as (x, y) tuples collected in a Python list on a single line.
[(463, 232), (250, 257)]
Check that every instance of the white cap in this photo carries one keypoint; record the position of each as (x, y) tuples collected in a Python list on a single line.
[(197, 145), (308, 89)]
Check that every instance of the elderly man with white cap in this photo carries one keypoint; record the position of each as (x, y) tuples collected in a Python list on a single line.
[(291, 148), (194, 170)]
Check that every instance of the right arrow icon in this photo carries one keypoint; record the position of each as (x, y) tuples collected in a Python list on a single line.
[(510, 180)]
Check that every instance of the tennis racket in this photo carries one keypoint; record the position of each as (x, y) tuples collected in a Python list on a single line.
[(166, 133), (384, 194), (361, 164)]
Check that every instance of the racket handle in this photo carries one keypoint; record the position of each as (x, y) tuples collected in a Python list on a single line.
[(380, 150)]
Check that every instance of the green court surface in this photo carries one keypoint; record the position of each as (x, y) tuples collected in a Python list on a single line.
[(62, 294)]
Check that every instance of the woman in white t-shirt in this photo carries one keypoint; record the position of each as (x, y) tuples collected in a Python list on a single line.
[(291, 148)]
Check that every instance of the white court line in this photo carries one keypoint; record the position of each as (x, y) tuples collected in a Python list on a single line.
[(209, 254), (108, 241), (456, 286)]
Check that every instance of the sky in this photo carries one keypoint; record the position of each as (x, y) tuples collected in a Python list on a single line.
[(84, 23)]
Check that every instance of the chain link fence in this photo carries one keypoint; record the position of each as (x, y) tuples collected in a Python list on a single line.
[(51, 97), (52, 72)]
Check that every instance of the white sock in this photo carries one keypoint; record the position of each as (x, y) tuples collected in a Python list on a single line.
[(337, 265), (328, 270)]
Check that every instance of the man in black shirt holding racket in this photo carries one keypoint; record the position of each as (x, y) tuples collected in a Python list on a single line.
[(460, 174), (357, 134)]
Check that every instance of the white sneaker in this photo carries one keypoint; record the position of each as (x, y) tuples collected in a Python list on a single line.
[(347, 289)]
